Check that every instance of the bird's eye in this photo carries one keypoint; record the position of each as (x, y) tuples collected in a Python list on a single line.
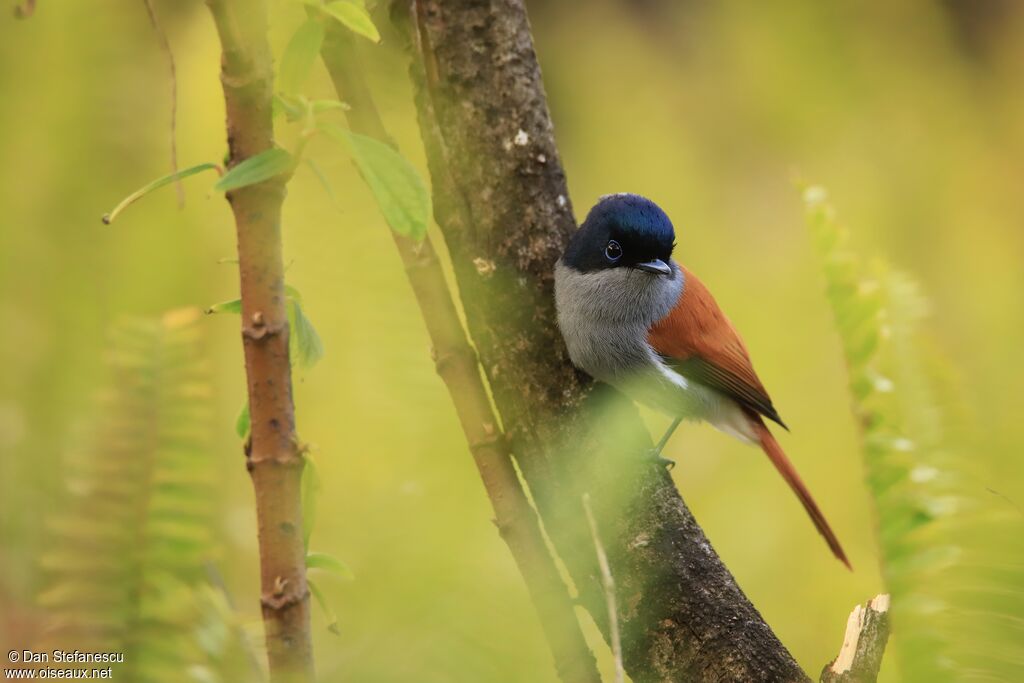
[(613, 251)]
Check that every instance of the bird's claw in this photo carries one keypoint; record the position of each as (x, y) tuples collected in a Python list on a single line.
[(656, 458)]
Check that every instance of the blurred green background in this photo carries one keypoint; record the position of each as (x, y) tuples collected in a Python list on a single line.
[(911, 113)]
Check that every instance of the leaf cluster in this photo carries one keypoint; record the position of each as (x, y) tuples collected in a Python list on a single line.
[(398, 188)]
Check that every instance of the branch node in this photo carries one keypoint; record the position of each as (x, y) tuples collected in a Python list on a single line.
[(301, 447), (491, 440), (422, 257), (259, 330), (451, 357), (484, 267), (241, 81), (285, 459), (283, 595)]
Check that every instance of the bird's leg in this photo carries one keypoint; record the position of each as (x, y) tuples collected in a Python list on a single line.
[(656, 452), (668, 435)]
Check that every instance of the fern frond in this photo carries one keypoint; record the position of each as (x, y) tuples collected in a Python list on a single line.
[(125, 569), (937, 528)]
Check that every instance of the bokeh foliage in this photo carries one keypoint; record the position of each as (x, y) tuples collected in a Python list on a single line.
[(130, 552), (910, 114), (938, 527)]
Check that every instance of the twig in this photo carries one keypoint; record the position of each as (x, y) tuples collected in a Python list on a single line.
[(867, 631), (165, 47), (274, 455), (609, 590), (456, 363)]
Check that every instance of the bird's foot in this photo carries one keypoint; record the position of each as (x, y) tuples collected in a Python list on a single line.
[(656, 458)]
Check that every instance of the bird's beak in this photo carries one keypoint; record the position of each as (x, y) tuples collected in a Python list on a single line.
[(657, 267)]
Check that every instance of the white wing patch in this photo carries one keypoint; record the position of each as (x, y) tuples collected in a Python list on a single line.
[(700, 402)]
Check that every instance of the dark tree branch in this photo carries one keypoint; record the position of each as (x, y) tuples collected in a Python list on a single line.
[(502, 204), (274, 457), (867, 632), (457, 365)]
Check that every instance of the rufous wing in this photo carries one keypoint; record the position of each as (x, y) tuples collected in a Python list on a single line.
[(699, 342)]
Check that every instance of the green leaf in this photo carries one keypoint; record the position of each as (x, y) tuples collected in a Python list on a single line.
[(332, 618), (233, 306), (108, 218), (256, 169), (292, 107), (310, 494), (307, 348), (330, 564), (242, 422), (400, 191), (318, 172), (353, 16), (299, 55)]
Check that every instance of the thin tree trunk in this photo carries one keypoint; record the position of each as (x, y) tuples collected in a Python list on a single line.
[(457, 365), (501, 200), (274, 457)]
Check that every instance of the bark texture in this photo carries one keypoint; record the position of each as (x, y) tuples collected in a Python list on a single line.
[(501, 200), (456, 363), (274, 457)]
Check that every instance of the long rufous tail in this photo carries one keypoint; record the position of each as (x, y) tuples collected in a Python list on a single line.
[(775, 453)]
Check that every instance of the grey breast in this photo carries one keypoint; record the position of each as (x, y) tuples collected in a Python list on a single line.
[(604, 317)]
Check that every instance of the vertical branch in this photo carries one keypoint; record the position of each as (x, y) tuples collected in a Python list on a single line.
[(457, 365), (274, 457)]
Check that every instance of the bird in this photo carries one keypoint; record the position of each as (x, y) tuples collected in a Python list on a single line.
[(634, 318)]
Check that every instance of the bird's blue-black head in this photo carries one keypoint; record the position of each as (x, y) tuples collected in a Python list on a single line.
[(623, 231)]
